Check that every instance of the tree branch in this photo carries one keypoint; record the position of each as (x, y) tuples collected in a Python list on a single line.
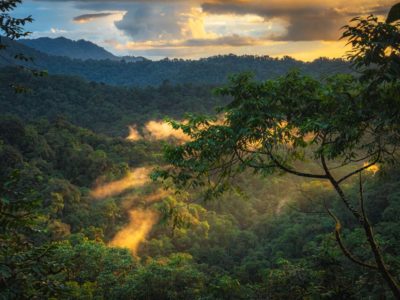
[(297, 173), (339, 240), (358, 171), (342, 196)]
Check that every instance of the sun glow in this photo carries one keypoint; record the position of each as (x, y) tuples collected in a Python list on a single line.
[(157, 130), (134, 134), (372, 169)]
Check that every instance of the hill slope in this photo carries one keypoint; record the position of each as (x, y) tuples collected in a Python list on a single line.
[(65, 47), (213, 70), (102, 108)]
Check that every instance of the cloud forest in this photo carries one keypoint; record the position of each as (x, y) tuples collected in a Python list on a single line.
[(164, 150)]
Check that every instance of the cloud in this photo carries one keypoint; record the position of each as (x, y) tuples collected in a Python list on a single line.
[(199, 28), (57, 31), (151, 22), (306, 20), (147, 22), (224, 41), (90, 17), (233, 40)]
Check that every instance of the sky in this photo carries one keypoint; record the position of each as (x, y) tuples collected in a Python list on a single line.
[(191, 29)]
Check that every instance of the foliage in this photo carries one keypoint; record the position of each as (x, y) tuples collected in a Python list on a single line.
[(102, 108), (9, 26), (375, 48), (270, 237), (64, 47), (235, 245), (23, 241), (207, 71), (274, 125)]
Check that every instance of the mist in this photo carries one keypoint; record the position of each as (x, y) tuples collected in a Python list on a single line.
[(140, 224), (156, 130), (135, 178)]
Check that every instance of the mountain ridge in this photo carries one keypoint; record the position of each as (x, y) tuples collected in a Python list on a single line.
[(213, 70), (74, 49)]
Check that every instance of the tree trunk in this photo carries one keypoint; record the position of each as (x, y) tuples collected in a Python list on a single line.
[(380, 262)]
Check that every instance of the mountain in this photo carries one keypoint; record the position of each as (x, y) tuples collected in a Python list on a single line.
[(210, 71), (61, 46)]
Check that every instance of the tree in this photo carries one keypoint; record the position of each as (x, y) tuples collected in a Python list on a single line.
[(12, 27), (375, 47), (26, 262), (345, 125), (174, 277)]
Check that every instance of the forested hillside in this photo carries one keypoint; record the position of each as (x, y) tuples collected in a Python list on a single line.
[(80, 49), (102, 108), (73, 49), (269, 239), (208, 71)]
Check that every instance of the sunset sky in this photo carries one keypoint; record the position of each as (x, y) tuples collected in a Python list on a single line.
[(304, 29)]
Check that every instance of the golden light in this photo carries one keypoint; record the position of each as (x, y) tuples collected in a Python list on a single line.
[(160, 130), (134, 134), (372, 169), (140, 225), (135, 178)]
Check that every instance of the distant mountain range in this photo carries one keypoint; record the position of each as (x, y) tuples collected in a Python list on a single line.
[(94, 66), (80, 49)]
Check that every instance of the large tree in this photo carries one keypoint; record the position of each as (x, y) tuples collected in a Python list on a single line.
[(344, 125)]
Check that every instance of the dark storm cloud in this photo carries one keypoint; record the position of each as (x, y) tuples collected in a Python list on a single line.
[(90, 17), (152, 22), (143, 20), (307, 22)]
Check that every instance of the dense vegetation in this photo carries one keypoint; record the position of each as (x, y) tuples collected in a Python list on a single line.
[(80, 49), (345, 124), (64, 47), (100, 107), (72, 190), (209, 71), (268, 241)]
